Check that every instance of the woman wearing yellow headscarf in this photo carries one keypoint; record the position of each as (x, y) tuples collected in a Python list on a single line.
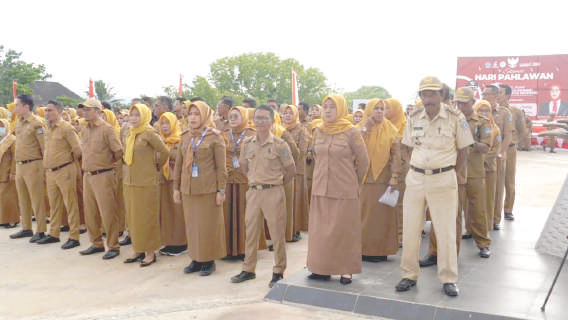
[(315, 116), (144, 151), (200, 178), (14, 120), (3, 113), (379, 221), (301, 138), (237, 183), (40, 111), (357, 118), (341, 161), (483, 108), (110, 118), (9, 210)]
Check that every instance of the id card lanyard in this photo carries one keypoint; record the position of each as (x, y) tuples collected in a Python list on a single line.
[(194, 168), (235, 159)]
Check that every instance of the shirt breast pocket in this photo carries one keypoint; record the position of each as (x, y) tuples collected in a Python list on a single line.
[(203, 151)]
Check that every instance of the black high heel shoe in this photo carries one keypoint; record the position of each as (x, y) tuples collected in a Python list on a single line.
[(145, 264), (139, 257)]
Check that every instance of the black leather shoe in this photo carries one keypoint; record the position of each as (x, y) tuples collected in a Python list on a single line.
[(47, 239), (64, 229), (270, 248), (315, 276), (485, 253), (207, 268), (297, 237), (467, 236), (345, 280), (22, 234), (10, 225), (136, 259), (497, 227), (112, 253), (91, 250), (70, 244), (275, 278), (375, 258), (147, 263), (428, 260), (81, 231), (451, 289), (243, 276), (194, 266), (509, 216), (38, 236), (405, 285), (126, 241)]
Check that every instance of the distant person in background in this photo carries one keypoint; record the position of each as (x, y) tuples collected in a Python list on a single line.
[(552, 142), (361, 106), (303, 111), (555, 105), (223, 107), (357, 116), (249, 103), (274, 105)]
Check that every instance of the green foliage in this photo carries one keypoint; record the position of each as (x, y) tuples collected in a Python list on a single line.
[(367, 92), (66, 101), (12, 68)]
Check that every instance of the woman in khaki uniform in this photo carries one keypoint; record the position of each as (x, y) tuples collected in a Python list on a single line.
[(172, 223), (483, 108), (379, 221), (200, 175), (9, 210), (301, 137), (395, 114), (237, 184), (334, 246), (144, 155)]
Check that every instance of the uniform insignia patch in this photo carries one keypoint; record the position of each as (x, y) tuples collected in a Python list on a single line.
[(285, 152), (417, 128), (510, 118), (465, 125), (487, 130), (39, 130)]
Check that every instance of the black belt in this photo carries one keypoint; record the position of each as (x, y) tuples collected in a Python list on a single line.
[(512, 145), (432, 171), (262, 186), (94, 173), (28, 161), (59, 167)]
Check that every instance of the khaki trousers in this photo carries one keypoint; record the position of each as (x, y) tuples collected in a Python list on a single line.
[(30, 183), (490, 187), (290, 224), (440, 193), (101, 208), (62, 190), (475, 208), (510, 172), (462, 203), (499, 190), (269, 204)]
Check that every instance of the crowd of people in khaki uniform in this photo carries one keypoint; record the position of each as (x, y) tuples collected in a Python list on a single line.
[(178, 176)]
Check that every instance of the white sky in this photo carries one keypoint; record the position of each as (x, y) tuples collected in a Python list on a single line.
[(139, 47)]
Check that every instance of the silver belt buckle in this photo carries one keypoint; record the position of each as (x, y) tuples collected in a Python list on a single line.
[(428, 171), (257, 187)]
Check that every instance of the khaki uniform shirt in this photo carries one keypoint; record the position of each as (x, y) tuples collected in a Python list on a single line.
[(267, 162), (519, 126), (150, 154), (435, 142), (491, 157), (8, 163), (481, 131), (222, 125), (301, 138), (101, 146), (340, 164), (29, 138), (504, 120), (236, 175), (61, 145), (210, 160)]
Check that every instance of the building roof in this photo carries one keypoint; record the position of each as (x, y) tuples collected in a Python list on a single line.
[(49, 90)]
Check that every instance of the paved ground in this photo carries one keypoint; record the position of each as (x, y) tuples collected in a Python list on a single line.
[(45, 282)]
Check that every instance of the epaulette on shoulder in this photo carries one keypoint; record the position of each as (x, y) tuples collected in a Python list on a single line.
[(452, 110), (248, 139), (484, 118), (217, 132), (416, 111), (186, 131)]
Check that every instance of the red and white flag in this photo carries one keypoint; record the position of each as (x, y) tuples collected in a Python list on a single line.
[(180, 89), (91, 89), (15, 88), (295, 98)]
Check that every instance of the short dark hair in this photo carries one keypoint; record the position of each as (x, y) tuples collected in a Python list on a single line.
[(106, 105), (272, 100), (250, 101), (181, 99), (137, 100), (148, 101), (362, 105), (196, 99), (56, 104), (507, 88), (228, 101), (265, 108), (165, 100), (26, 99), (304, 106), (445, 92), (493, 88)]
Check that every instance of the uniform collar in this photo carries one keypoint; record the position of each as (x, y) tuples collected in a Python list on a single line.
[(56, 123), (95, 123), (270, 139), (443, 113)]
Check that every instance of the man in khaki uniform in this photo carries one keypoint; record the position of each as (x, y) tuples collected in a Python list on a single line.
[(62, 148), (223, 107), (269, 164), (519, 130), (30, 178), (438, 135), (504, 121), (101, 149)]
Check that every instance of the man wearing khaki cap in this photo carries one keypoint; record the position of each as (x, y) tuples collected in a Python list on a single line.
[(438, 136), (101, 149)]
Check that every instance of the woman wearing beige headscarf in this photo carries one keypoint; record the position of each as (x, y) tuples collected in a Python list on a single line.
[(200, 178), (379, 221), (341, 161), (9, 211)]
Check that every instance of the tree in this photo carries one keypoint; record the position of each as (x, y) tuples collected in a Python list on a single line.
[(67, 101), (12, 68), (105, 93), (367, 92)]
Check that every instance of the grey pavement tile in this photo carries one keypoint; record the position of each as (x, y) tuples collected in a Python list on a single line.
[(393, 309), (321, 298)]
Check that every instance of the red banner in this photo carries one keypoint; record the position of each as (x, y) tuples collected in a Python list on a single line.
[(539, 83)]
